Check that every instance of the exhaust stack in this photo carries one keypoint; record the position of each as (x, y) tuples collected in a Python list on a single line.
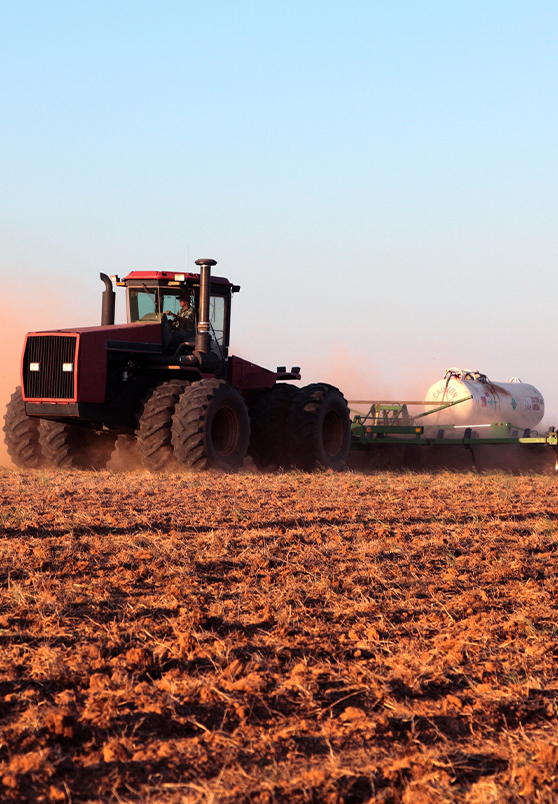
[(109, 296), (203, 334)]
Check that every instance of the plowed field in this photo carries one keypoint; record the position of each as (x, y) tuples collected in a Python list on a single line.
[(290, 638)]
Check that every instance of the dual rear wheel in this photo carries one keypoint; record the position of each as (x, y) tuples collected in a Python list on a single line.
[(307, 428), (206, 425), (319, 428)]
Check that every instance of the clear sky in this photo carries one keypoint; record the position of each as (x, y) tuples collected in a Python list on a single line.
[(379, 177)]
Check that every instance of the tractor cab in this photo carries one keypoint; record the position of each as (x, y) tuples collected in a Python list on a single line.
[(172, 299)]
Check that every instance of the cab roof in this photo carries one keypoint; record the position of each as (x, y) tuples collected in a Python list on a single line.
[(173, 276)]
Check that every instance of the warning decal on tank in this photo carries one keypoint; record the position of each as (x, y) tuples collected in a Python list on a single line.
[(533, 403), (513, 403), (445, 390)]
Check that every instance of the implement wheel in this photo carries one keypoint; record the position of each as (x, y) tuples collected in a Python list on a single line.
[(210, 427), (65, 446), (153, 433), (319, 428), (268, 419), (21, 434)]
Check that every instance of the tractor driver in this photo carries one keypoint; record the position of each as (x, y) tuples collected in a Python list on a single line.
[(184, 319)]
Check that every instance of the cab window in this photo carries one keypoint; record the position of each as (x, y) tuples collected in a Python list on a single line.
[(143, 304), (217, 321)]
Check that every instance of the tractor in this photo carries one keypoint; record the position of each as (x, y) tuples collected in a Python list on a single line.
[(165, 385)]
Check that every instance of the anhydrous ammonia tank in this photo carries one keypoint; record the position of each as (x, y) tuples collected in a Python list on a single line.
[(513, 402)]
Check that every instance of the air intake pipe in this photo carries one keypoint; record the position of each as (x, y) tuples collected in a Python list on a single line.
[(208, 363), (109, 296), (203, 334)]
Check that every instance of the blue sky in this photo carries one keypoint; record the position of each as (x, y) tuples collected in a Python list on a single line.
[(380, 178)]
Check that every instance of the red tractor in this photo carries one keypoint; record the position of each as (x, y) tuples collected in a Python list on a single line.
[(166, 382)]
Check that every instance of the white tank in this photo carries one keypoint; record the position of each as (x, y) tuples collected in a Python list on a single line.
[(513, 402)]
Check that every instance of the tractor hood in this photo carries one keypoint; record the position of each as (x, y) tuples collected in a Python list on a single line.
[(67, 365)]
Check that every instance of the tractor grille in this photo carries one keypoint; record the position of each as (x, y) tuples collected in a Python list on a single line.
[(49, 367)]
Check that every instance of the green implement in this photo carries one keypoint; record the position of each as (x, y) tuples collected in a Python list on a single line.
[(390, 424)]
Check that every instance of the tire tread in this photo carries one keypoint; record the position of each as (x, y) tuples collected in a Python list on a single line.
[(303, 439), (153, 433), (189, 437), (268, 419), (21, 434)]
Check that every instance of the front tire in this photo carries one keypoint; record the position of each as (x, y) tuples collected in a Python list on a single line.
[(153, 433), (210, 427), (21, 434), (66, 446), (319, 428)]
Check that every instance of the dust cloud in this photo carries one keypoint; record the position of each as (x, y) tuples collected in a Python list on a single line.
[(12, 333), (125, 457), (357, 376)]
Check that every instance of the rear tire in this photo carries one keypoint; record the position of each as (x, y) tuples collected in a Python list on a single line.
[(153, 434), (65, 446), (268, 420), (21, 434), (319, 428), (210, 427)]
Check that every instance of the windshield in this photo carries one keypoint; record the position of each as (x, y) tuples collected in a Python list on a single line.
[(149, 304)]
